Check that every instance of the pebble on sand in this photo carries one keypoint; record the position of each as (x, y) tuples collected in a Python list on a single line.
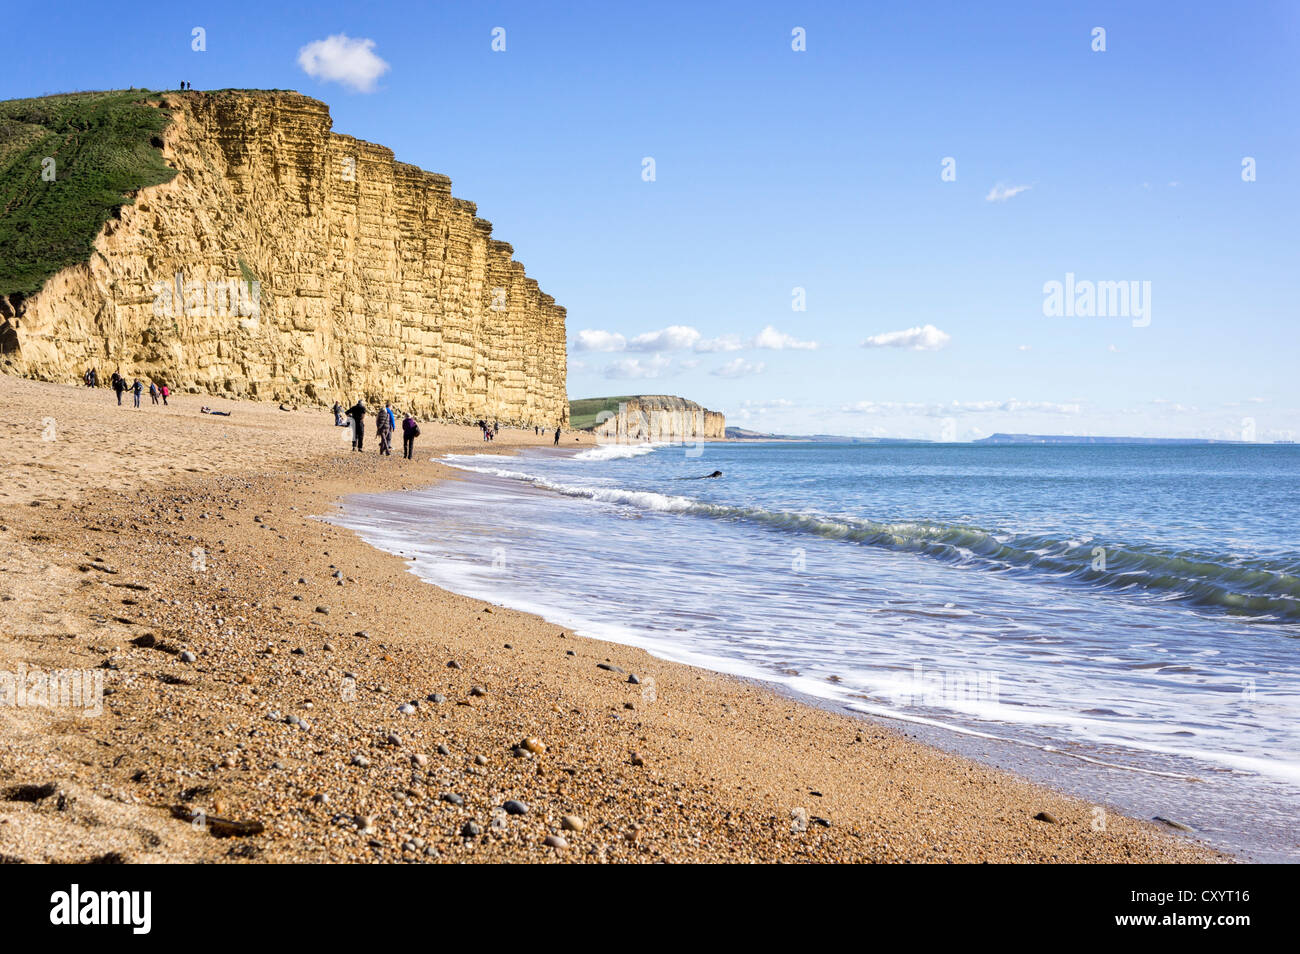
[(572, 823), (515, 807), (555, 841)]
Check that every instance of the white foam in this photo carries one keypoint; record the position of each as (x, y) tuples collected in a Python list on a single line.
[(618, 451)]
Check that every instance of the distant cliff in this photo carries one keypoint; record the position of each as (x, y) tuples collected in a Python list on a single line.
[(648, 417), (287, 262)]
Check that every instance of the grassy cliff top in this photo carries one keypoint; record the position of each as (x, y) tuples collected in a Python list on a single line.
[(105, 146)]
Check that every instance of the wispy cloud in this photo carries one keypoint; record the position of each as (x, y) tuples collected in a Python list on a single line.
[(923, 338), (672, 338), (343, 59), (775, 340), (590, 339), (960, 407), (628, 369), (1000, 192), (739, 368), (686, 338)]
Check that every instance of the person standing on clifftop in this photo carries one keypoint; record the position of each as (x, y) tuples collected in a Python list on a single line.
[(358, 414)]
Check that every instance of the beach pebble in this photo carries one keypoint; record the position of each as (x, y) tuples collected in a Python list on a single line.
[(436, 697), (609, 667), (443, 750), (452, 798), (360, 761), (188, 657), (1047, 817), (572, 823), (637, 760), (394, 739), (452, 664), (477, 691), (533, 744), (1174, 824), (480, 760), (470, 830), (634, 679), (514, 807), (406, 709), (419, 759), (555, 841), (321, 799), (323, 610)]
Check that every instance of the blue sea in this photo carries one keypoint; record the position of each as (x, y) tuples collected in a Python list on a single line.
[(1122, 622)]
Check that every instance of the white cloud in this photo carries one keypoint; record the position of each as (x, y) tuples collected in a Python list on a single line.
[(345, 60), (672, 338), (775, 340), (721, 343), (925, 338), (632, 368), (960, 407), (1000, 192), (1112, 349), (739, 368), (590, 339), (1025, 348)]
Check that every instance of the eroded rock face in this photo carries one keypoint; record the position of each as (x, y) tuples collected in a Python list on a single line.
[(289, 263), (661, 417)]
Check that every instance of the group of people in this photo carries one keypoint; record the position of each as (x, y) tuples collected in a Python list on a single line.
[(385, 426), (489, 433), (121, 386)]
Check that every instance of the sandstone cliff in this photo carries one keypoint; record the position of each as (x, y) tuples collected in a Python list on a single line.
[(659, 417), (287, 262)]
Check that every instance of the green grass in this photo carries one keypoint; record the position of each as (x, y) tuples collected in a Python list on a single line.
[(105, 146), (584, 411)]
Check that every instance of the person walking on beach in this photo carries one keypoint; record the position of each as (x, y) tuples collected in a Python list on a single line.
[(410, 431), (557, 435), (392, 418), (385, 431), (153, 392), (136, 390), (358, 414), (164, 391), (119, 387), (338, 415)]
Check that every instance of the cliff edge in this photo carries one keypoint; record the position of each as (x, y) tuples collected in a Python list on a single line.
[(287, 262)]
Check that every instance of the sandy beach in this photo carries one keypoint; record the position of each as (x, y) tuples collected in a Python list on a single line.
[(276, 690)]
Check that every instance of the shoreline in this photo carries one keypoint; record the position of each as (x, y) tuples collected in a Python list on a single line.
[(712, 768)]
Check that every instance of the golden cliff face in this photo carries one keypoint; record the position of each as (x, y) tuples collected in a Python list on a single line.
[(285, 262), (661, 417)]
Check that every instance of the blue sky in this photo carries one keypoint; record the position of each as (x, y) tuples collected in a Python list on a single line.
[(820, 170)]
